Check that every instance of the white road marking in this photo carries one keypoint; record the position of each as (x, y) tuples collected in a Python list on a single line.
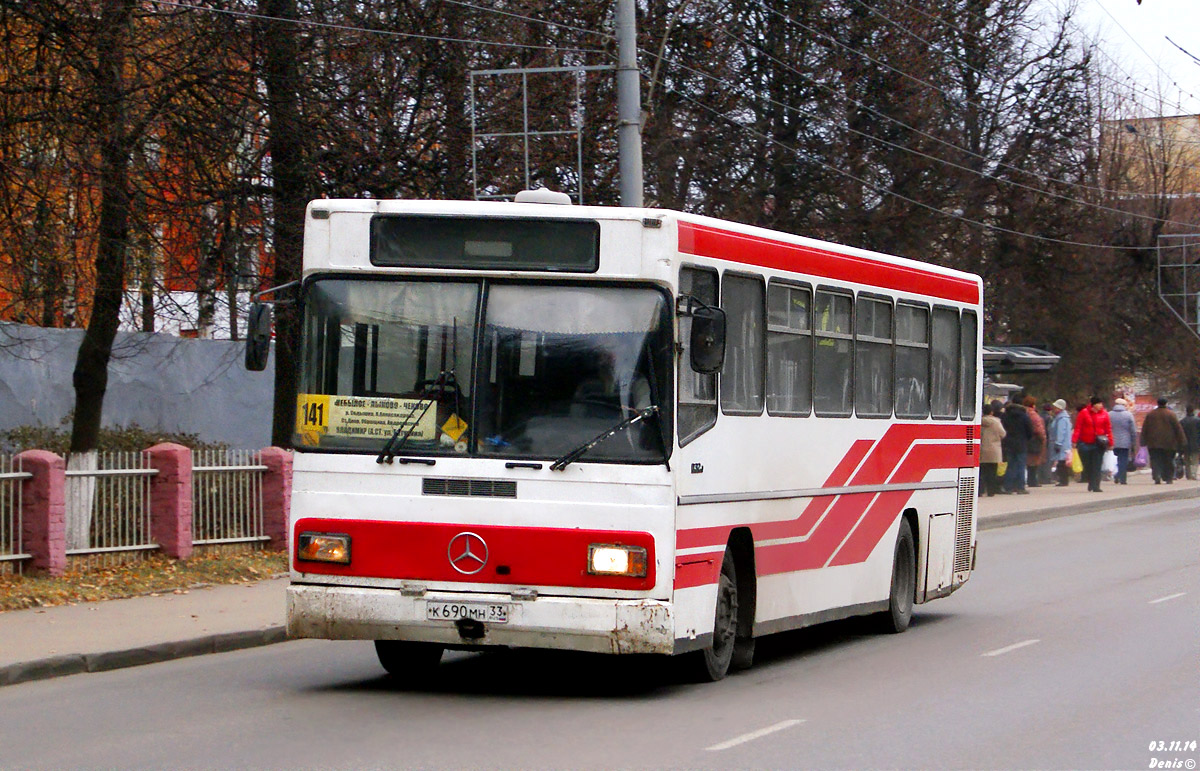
[(1011, 648), (753, 735), (1175, 596)]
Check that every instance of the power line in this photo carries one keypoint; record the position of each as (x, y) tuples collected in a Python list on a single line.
[(390, 33), (1185, 52), (1143, 50), (903, 28), (367, 30), (943, 161), (531, 19), (882, 191), (915, 79)]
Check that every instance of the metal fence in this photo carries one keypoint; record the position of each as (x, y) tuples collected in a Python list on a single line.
[(108, 507), (11, 547), (227, 497), (107, 500)]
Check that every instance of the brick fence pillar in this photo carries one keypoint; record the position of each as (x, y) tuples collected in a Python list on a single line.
[(171, 499), (276, 496), (44, 511)]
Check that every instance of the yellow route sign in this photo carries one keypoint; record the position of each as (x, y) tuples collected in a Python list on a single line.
[(320, 415)]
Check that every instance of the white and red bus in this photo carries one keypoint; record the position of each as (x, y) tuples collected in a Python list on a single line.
[(620, 430)]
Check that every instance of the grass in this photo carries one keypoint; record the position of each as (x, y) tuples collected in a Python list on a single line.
[(152, 575)]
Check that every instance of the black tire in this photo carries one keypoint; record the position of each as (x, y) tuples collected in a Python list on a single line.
[(743, 654), (713, 662), (409, 662), (904, 583)]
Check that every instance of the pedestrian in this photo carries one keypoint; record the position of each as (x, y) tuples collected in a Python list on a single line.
[(1163, 436), (1046, 470), (1058, 442), (1092, 437), (1018, 431), (1124, 431), (1037, 445), (1191, 431), (991, 434)]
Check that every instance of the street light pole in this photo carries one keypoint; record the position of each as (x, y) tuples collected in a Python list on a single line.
[(629, 105)]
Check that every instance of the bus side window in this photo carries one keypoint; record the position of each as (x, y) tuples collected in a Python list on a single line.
[(742, 383), (833, 395), (697, 392), (873, 380), (943, 383), (789, 349), (966, 372), (912, 361)]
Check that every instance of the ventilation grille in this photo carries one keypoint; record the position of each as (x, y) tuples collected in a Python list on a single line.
[(470, 488), (962, 524), (970, 440)]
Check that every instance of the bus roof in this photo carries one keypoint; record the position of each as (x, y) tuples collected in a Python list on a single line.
[(719, 239)]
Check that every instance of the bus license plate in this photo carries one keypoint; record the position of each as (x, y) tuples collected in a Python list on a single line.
[(487, 612)]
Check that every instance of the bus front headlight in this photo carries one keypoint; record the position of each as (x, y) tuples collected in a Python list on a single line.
[(323, 547), (606, 559)]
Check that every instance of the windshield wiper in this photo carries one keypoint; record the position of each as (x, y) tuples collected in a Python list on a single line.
[(441, 382), (579, 451)]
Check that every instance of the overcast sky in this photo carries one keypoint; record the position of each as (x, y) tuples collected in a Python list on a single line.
[(1135, 36)]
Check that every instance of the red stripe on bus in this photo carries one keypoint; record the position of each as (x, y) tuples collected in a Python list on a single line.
[(814, 552), (525, 556), (705, 241), (846, 516), (817, 507), (698, 569), (709, 536), (883, 512), (873, 470)]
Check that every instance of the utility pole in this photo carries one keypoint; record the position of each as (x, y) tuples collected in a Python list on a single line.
[(629, 105)]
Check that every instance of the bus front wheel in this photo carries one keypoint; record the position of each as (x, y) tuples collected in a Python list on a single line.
[(713, 662), (904, 583), (408, 661)]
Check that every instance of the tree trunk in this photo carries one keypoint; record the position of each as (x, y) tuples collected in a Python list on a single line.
[(289, 196), (90, 377)]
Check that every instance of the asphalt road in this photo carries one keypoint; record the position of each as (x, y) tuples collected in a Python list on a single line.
[(1075, 645)]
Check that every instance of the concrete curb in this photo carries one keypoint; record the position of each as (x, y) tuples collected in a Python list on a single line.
[(1100, 504), (77, 663)]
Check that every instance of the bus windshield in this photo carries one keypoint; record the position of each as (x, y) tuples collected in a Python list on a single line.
[(550, 367)]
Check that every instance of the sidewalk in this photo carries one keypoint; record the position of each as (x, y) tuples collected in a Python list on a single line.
[(1049, 502), (98, 636), (49, 642)]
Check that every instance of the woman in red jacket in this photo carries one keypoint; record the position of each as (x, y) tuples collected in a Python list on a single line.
[(1093, 437)]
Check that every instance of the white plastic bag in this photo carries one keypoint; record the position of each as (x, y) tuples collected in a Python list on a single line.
[(1109, 464)]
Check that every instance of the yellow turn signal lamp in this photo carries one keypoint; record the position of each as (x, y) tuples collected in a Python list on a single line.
[(324, 547), (606, 559)]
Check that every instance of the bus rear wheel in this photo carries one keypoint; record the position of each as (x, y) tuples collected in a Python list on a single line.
[(904, 583), (713, 662), (408, 662)]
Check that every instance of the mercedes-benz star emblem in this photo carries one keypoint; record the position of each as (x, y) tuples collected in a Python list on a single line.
[(468, 553)]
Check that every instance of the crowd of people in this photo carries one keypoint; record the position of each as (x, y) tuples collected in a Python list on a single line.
[(1025, 446)]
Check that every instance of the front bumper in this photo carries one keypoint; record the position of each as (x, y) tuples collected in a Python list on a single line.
[(566, 623)]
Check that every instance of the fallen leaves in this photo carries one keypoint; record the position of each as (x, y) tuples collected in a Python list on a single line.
[(151, 575)]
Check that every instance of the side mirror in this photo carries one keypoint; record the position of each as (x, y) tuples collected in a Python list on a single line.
[(258, 336), (708, 340)]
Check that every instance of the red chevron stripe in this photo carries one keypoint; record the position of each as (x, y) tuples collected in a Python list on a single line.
[(890, 449), (883, 512), (719, 535), (864, 517), (874, 510), (814, 552)]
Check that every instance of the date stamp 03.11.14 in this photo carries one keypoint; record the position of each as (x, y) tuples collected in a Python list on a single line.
[(1173, 754)]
